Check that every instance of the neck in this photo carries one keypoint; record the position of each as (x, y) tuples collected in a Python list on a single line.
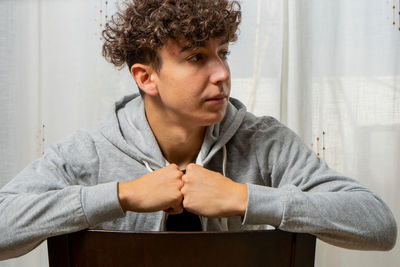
[(179, 141)]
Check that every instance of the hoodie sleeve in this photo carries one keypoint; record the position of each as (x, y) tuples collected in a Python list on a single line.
[(304, 195), (54, 195)]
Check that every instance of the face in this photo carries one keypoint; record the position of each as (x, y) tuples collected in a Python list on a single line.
[(193, 83)]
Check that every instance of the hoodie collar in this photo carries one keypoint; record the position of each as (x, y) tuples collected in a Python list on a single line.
[(219, 134), (128, 130)]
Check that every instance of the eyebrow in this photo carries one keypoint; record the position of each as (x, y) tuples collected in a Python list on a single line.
[(187, 47)]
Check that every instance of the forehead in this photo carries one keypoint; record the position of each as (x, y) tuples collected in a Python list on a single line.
[(176, 48)]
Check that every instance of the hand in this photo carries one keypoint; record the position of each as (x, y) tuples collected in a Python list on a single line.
[(154, 191), (211, 194)]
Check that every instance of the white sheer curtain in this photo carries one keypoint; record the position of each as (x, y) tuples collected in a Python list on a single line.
[(328, 69), (19, 99), (345, 58)]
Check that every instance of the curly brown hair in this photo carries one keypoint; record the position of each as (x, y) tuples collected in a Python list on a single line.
[(136, 32)]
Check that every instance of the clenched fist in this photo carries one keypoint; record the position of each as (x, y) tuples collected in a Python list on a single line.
[(211, 194), (154, 191)]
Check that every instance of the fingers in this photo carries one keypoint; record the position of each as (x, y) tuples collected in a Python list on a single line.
[(192, 170), (172, 167), (175, 210), (192, 166), (176, 205), (185, 180), (179, 184), (175, 173)]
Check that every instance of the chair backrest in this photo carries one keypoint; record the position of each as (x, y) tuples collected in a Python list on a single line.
[(272, 248)]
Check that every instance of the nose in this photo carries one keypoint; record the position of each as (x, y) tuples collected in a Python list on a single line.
[(219, 71)]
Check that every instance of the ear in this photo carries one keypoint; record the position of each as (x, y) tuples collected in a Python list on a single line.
[(144, 76)]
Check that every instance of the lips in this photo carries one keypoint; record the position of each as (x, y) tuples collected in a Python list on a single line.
[(219, 97)]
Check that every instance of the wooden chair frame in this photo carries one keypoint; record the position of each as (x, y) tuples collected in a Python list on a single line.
[(272, 248)]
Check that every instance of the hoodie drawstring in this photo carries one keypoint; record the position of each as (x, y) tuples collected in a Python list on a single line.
[(147, 166), (224, 160), (224, 221)]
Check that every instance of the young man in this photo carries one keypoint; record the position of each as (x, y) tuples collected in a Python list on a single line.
[(184, 145)]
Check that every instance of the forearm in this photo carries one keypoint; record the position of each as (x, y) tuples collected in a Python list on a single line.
[(350, 219), (27, 219), (238, 201)]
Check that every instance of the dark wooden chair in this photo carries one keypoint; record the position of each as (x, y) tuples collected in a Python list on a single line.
[(272, 248)]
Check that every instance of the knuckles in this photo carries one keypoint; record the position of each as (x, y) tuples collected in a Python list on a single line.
[(183, 190), (190, 167), (179, 184), (185, 178), (173, 166)]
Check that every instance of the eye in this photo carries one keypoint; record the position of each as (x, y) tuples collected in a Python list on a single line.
[(195, 57), (224, 54)]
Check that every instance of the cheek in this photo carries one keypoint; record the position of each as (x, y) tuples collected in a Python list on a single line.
[(182, 78), (193, 84)]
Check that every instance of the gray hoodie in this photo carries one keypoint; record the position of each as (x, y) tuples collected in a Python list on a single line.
[(73, 186)]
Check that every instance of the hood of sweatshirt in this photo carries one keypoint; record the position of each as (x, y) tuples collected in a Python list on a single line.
[(128, 130)]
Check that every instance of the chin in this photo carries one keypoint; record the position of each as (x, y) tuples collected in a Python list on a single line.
[(213, 119)]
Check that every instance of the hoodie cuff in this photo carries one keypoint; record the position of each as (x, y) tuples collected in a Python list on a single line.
[(100, 203), (265, 205)]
